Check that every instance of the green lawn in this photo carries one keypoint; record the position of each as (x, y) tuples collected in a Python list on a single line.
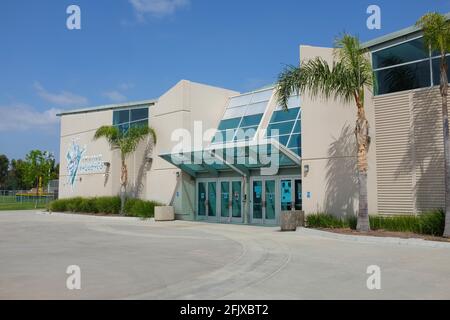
[(9, 203), (21, 206)]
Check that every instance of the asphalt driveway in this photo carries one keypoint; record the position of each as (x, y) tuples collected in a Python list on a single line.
[(122, 258)]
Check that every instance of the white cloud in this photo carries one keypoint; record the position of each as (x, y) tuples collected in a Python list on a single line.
[(21, 117), (126, 86), (115, 96), (157, 8), (63, 99)]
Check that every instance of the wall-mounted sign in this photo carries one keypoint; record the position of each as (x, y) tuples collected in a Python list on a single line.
[(92, 164), (78, 162)]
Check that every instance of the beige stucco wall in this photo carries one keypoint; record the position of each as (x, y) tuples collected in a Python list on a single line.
[(328, 147), (156, 179), (80, 128), (179, 108)]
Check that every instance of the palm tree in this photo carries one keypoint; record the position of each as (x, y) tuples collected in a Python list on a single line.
[(436, 34), (126, 142), (346, 79)]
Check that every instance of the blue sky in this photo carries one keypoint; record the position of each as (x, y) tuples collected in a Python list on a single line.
[(131, 50)]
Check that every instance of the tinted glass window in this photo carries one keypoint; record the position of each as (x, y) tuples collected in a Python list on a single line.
[(283, 128), (283, 139), (229, 124), (290, 114), (406, 52), (251, 120), (297, 128), (122, 116), (139, 114), (298, 151), (437, 70), (296, 141), (245, 134), (124, 119), (245, 111), (142, 123), (407, 77)]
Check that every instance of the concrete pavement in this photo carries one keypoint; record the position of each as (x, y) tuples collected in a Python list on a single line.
[(122, 258)]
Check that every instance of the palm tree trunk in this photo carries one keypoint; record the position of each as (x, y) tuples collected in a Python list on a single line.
[(444, 94), (123, 186), (363, 141)]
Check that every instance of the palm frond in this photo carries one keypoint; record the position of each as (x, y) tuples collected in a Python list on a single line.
[(345, 79), (130, 140), (436, 31), (110, 133), (288, 82)]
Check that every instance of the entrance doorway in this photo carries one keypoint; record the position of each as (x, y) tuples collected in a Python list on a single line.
[(220, 200), (270, 196)]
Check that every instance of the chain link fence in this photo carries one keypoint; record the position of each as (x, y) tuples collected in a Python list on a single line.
[(25, 199)]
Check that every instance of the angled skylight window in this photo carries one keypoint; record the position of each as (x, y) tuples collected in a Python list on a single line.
[(243, 116), (285, 125)]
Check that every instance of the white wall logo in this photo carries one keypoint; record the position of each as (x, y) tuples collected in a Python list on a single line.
[(73, 156), (73, 282), (80, 163), (374, 280), (74, 19), (374, 20)]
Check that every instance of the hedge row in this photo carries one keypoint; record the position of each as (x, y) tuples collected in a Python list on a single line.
[(105, 205), (431, 223)]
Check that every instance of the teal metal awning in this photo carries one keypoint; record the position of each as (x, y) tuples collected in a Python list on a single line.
[(239, 157)]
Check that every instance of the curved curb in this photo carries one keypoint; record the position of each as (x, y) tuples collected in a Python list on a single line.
[(414, 242), (99, 218)]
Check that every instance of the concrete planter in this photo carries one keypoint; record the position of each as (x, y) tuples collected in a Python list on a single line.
[(164, 214), (300, 218), (290, 220)]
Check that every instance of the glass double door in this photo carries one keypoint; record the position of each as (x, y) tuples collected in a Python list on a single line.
[(291, 194), (207, 200), (220, 200), (264, 198), (231, 201), (270, 196)]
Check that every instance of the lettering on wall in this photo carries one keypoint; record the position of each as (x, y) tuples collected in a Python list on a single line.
[(80, 163)]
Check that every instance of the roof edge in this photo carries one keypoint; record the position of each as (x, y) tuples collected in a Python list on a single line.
[(395, 35), (108, 107)]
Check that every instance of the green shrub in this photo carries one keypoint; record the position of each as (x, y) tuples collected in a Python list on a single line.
[(140, 208), (74, 204), (88, 205), (326, 221), (108, 205), (58, 206), (105, 205), (431, 223)]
